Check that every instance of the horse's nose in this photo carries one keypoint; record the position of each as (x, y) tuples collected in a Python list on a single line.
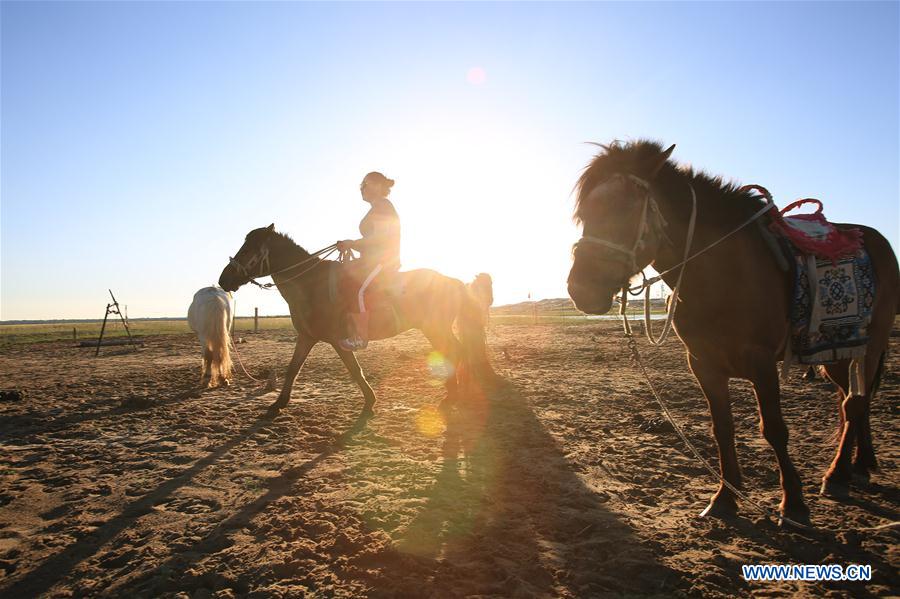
[(589, 299)]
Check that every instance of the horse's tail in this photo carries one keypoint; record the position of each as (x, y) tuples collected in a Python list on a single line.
[(475, 303), (218, 341)]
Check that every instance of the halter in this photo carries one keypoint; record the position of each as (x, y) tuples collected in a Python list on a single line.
[(650, 209)]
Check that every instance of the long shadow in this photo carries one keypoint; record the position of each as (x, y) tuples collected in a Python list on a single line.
[(508, 497), (514, 496), (57, 567), (18, 425), (814, 547), (279, 486)]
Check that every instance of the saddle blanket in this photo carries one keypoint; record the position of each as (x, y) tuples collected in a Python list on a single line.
[(832, 308)]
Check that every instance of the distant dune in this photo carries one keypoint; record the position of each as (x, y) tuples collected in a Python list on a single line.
[(564, 304)]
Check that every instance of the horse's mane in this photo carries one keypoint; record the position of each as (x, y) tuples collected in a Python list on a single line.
[(284, 241), (717, 200)]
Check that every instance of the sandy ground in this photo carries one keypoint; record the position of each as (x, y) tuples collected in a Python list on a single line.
[(116, 479)]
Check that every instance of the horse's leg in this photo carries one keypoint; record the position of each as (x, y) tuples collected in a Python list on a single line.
[(773, 428), (865, 460), (356, 373), (714, 384), (854, 415), (446, 344), (206, 368), (839, 374), (301, 350)]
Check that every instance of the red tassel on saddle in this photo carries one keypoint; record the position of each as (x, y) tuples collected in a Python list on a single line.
[(813, 234)]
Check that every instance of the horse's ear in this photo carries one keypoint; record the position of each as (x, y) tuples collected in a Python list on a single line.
[(271, 227), (661, 161)]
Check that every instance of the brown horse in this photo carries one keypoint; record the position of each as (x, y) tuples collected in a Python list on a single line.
[(422, 299), (734, 301)]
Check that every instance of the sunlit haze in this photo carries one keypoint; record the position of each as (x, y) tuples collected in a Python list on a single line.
[(142, 141)]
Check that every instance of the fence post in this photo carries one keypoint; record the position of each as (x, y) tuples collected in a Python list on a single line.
[(255, 320)]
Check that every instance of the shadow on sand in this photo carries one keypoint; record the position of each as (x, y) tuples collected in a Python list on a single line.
[(59, 566), (510, 514)]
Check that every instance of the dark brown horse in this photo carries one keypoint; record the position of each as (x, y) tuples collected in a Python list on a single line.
[(422, 299), (733, 308)]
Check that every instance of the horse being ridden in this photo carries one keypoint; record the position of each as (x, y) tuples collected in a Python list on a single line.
[(424, 300), (733, 302), (210, 316)]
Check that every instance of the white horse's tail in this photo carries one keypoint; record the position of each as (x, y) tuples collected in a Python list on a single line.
[(218, 340)]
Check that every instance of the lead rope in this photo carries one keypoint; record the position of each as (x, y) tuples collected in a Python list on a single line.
[(238, 354), (769, 205), (632, 345), (673, 299)]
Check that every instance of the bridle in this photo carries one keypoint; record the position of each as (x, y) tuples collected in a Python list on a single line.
[(651, 221), (649, 210), (261, 258)]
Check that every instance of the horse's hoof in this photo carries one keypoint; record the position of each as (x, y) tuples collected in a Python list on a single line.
[(719, 509), (834, 489), (367, 414), (861, 478), (273, 411), (790, 518)]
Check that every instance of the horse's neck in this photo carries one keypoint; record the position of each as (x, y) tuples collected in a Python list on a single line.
[(285, 254), (706, 268)]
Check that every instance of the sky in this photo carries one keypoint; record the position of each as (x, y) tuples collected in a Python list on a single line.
[(140, 142)]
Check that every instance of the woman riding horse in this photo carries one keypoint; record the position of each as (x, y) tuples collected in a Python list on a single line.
[(379, 251)]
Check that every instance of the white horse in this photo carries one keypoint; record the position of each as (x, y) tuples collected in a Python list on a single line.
[(210, 316)]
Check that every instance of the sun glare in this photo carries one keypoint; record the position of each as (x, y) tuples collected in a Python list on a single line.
[(429, 421), (476, 76)]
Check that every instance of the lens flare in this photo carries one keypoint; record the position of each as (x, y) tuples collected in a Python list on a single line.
[(476, 76), (439, 366), (430, 421)]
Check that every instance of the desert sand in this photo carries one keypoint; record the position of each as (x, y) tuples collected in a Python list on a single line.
[(117, 478)]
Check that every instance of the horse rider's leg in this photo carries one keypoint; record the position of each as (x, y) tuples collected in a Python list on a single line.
[(356, 373), (714, 384), (445, 343), (301, 350), (773, 428)]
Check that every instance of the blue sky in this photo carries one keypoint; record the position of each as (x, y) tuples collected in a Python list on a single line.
[(141, 141)]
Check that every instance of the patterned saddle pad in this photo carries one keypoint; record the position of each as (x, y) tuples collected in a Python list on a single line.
[(832, 307)]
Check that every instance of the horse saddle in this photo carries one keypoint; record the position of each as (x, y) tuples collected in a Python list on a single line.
[(383, 292)]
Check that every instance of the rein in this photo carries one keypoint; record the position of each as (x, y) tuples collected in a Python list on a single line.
[(263, 259)]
